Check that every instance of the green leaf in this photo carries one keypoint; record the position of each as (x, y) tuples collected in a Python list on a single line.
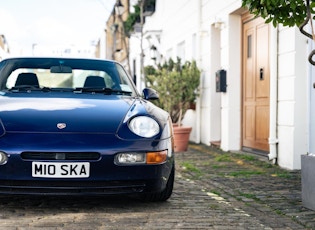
[(289, 13), (269, 20)]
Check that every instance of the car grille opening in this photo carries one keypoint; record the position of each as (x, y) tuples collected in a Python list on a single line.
[(60, 156), (71, 187)]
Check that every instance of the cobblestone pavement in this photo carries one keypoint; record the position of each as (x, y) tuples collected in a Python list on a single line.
[(213, 190)]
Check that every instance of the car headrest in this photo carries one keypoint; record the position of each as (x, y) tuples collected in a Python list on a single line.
[(95, 82), (27, 79)]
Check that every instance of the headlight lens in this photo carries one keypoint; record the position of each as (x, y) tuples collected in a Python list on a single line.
[(130, 158), (3, 158), (134, 158), (144, 126)]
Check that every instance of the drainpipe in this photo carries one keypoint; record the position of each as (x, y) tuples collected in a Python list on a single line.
[(273, 139), (199, 62)]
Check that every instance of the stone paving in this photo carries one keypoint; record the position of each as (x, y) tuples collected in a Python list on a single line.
[(251, 184), (213, 190)]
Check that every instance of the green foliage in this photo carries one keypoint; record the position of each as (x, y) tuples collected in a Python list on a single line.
[(215, 192), (176, 84), (191, 168), (249, 196), (247, 157), (132, 19), (244, 173), (226, 157), (286, 12)]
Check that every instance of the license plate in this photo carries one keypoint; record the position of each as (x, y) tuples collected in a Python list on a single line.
[(61, 169)]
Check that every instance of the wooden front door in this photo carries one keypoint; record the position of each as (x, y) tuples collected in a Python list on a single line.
[(256, 88)]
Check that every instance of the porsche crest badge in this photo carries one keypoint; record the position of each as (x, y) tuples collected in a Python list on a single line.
[(61, 125)]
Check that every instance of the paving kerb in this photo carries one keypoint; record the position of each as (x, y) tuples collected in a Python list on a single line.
[(248, 182)]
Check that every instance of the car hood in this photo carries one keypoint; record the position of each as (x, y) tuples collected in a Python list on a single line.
[(72, 115)]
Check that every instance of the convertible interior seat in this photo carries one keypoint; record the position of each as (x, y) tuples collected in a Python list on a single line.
[(94, 82), (27, 79)]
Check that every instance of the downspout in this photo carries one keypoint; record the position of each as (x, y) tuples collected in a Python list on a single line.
[(199, 62), (273, 57)]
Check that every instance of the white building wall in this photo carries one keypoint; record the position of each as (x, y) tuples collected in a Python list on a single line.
[(191, 25), (292, 98), (231, 100), (220, 112), (311, 104), (179, 21), (211, 31), (3, 54), (134, 56), (210, 100), (4, 48)]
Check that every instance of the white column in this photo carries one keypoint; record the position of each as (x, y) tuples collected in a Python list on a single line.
[(231, 100)]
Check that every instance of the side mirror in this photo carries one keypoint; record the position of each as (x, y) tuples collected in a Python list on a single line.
[(150, 94)]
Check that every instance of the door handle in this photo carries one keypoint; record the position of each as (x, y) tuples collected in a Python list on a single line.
[(261, 74)]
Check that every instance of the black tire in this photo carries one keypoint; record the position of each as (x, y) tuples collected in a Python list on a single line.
[(163, 195)]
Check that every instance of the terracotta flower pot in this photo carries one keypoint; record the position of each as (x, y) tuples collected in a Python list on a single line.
[(181, 138)]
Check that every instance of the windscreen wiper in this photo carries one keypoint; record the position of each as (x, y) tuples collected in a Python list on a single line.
[(106, 91), (29, 88), (22, 88)]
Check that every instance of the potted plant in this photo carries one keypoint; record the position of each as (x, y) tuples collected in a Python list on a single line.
[(177, 86)]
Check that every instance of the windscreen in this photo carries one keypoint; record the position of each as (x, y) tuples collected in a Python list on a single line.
[(64, 74)]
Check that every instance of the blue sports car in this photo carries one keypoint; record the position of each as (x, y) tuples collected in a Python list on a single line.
[(79, 127)]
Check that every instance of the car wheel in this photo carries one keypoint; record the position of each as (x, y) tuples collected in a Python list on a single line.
[(163, 195)]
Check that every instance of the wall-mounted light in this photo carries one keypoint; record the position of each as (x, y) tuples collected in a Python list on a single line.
[(119, 8), (153, 52), (114, 27), (219, 23)]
